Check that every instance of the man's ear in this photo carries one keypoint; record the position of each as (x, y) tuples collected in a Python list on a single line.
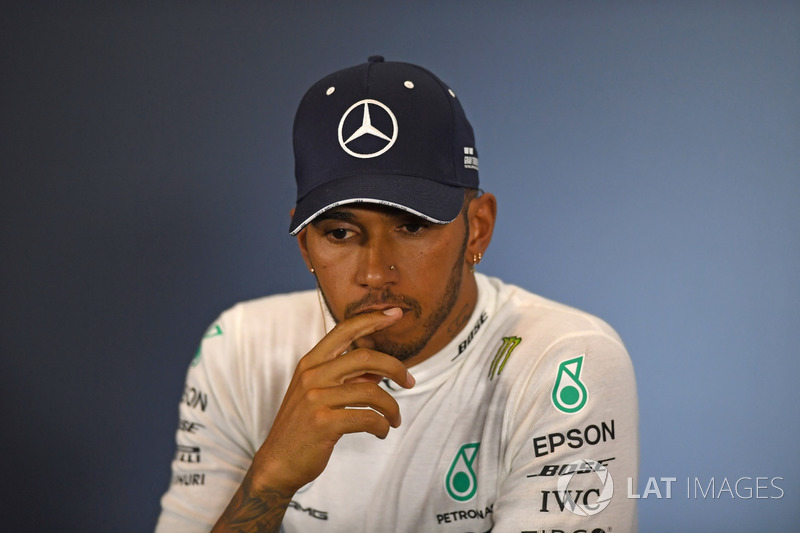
[(302, 244), (482, 213)]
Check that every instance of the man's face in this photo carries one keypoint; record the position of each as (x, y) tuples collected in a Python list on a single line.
[(353, 249)]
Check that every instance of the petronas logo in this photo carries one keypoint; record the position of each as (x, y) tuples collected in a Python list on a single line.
[(500, 359), (569, 394), (461, 482), (213, 331)]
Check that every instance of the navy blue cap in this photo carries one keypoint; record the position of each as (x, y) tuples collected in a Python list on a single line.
[(386, 133)]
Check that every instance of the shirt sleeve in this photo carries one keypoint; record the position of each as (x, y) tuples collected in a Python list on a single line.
[(213, 451), (572, 441)]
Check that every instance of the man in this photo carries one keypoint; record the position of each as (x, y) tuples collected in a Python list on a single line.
[(494, 409)]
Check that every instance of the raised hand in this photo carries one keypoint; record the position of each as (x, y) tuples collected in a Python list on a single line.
[(317, 409)]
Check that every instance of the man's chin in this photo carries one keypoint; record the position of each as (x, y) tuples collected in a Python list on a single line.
[(391, 336), (396, 348), (381, 342)]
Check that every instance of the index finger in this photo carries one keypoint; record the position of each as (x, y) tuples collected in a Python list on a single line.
[(348, 331)]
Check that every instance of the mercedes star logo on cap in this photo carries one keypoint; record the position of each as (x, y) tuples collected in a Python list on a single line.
[(366, 128)]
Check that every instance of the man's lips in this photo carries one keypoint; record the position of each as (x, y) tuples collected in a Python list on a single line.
[(376, 308), (374, 303)]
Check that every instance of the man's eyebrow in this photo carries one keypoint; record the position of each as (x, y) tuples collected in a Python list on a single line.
[(345, 216)]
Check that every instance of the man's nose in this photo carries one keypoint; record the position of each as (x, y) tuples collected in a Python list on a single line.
[(377, 266)]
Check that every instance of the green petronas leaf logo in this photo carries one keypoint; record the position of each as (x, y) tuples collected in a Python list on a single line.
[(197, 354), (213, 331), (461, 481), (569, 394)]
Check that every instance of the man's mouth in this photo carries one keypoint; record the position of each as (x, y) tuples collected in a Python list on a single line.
[(375, 308), (373, 302)]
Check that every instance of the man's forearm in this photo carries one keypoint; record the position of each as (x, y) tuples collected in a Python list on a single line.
[(253, 512)]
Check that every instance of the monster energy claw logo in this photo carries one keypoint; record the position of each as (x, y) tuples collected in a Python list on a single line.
[(569, 394), (461, 481), (500, 359)]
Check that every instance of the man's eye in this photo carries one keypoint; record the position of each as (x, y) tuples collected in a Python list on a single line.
[(414, 228), (339, 234)]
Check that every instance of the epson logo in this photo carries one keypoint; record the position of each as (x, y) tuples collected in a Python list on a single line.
[(194, 397), (574, 438)]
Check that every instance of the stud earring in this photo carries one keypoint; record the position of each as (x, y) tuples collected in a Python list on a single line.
[(391, 267), (476, 258)]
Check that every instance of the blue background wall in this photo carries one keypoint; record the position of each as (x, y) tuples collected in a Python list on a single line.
[(646, 157)]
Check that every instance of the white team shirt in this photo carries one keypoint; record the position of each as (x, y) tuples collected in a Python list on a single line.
[(526, 422)]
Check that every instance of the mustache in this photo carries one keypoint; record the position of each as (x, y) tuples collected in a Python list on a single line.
[(384, 298)]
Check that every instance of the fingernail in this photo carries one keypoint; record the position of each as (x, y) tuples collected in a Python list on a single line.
[(393, 311), (410, 378)]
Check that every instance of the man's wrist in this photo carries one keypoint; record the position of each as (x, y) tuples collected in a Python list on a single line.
[(254, 509)]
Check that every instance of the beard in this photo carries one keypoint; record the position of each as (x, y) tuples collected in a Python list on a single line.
[(406, 350)]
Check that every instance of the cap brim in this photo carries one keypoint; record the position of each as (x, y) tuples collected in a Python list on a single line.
[(435, 202)]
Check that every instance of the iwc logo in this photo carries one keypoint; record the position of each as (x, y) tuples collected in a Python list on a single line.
[(377, 123), (582, 506)]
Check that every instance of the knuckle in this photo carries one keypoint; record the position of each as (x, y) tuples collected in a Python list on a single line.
[(318, 419), (364, 417), (354, 416), (339, 329), (367, 392), (303, 363), (314, 396), (307, 378), (361, 356), (372, 391)]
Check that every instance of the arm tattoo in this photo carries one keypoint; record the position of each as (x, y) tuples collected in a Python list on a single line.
[(250, 512)]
